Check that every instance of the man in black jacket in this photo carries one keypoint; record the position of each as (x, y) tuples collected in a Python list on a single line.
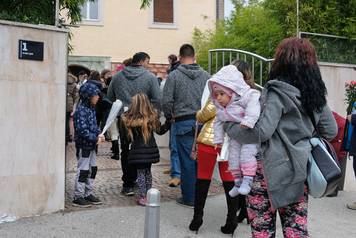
[(124, 85)]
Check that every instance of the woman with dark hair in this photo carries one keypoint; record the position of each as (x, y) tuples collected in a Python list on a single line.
[(173, 63), (294, 94)]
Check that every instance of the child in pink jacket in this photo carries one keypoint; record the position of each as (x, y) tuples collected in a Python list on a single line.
[(236, 101)]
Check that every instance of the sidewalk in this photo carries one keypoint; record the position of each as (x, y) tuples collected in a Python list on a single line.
[(108, 183), (328, 217)]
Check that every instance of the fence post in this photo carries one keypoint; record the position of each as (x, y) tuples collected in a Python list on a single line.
[(152, 216)]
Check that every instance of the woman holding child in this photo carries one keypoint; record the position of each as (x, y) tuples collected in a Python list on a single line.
[(295, 91)]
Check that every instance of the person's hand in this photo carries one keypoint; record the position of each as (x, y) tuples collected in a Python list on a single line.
[(101, 138), (217, 146), (349, 117)]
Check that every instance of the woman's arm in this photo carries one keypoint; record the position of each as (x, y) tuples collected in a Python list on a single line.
[(265, 126), (206, 113), (327, 126)]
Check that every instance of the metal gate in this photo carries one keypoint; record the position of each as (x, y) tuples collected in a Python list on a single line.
[(260, 66)]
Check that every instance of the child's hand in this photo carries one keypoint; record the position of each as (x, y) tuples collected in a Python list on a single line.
[(243, 126), (217, 146), (101, 138)]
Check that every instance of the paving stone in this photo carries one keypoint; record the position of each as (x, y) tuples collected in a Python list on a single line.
[(108, 183)]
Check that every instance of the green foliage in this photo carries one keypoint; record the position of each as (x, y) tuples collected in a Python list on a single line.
[(145, 3), (334, 17), (40, 11), (260, 25), (250, 28)]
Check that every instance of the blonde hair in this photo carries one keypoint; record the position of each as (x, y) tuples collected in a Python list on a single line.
[(141, 114)]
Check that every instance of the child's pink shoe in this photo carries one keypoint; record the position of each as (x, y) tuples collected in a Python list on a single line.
[(142, 201)]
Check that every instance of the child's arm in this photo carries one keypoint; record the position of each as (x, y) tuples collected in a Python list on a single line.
[(252, 109), (218, 131)]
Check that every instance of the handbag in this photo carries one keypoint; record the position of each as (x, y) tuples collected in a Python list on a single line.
[(323, 170), (224, 153)]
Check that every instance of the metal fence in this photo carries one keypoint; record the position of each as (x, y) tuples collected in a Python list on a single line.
[(260, 66), (334, 49)]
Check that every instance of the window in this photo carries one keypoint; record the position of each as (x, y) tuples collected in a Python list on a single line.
[(163, 14), (90, 11), (163, 11)]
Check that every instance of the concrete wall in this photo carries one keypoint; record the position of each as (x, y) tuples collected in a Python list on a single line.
[(335, 76), (32, 121), (125, 29)]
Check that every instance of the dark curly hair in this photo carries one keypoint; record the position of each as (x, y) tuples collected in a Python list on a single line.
[(296, 63)]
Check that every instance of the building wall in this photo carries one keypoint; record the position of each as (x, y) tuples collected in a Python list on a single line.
[(125, 29), (32, 121)]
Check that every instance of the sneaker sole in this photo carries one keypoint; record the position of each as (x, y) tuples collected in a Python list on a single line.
[(96, 203), (128, 194), (83, 206)]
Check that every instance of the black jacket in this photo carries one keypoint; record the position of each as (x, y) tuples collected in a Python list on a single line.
[(145, 153)]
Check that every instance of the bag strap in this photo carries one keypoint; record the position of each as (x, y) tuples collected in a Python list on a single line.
[(312, 118)]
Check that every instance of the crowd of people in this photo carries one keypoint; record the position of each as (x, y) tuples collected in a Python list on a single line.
[(263, 169)]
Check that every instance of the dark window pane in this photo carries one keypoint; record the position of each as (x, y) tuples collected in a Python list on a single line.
[(163, 11)]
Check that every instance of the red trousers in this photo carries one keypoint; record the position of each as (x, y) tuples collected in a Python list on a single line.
[(206, 160)]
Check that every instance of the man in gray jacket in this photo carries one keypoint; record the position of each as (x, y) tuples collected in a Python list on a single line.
[(124, 85), (181, 100)]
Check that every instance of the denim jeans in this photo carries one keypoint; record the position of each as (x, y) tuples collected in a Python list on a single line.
[(185, 137), (175, 164)]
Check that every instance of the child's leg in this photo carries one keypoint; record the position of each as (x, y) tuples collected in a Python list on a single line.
[(141, 183), (234, 166), (148, 177), (82, 173), (91, 176), (248, 167)]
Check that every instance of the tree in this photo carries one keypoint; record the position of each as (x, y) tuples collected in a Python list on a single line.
[(252, 28), (40, 11), (334, 17), (258, 26)]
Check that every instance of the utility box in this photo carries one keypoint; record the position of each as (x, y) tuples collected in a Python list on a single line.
[(33, 70)]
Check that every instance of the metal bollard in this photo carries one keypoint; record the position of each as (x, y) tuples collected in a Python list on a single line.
[(152, 213)]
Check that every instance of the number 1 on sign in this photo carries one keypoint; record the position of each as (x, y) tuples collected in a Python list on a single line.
[(24, 46)]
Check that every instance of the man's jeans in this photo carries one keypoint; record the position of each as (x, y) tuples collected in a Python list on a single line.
[(185, 137), (175, 164)]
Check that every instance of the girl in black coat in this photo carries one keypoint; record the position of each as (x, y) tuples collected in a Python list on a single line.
[(141, 121)]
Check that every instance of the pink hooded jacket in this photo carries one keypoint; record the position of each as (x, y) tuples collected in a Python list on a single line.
[(244, 106)]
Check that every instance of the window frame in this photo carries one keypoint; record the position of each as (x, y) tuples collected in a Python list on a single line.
[(163, 25), (93, 21)]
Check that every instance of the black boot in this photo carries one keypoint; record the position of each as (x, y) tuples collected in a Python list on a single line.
[(201, 192), (232, 207), (243, 210), (115, 150)]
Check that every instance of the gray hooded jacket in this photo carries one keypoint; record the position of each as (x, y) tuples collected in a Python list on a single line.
[(284, 129), (183, 90), (131, 81)]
